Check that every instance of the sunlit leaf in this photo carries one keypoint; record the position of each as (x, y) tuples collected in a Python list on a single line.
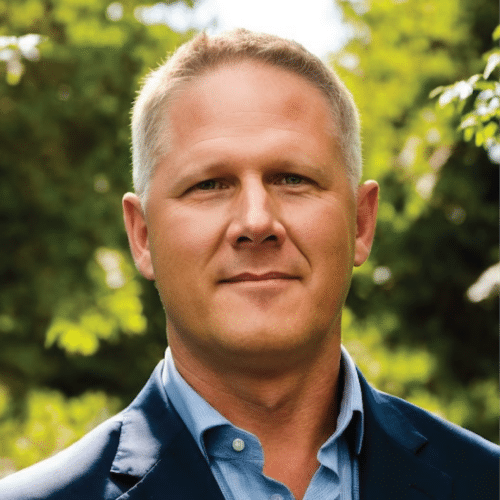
[(493, 62), (496, 33)]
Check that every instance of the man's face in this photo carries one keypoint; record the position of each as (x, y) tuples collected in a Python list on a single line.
[(250, 226)]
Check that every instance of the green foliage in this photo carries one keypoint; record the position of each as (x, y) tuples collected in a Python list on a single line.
[(410, 322), (51, 423), (114, 308), (481, 123), (71, 313)]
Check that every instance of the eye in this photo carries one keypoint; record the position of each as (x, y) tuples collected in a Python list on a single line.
[(210, 184), (291, 180)]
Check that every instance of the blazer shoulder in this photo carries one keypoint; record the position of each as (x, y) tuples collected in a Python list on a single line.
[(408, 449), (447, 434), (79, 472), (108, 460), (390, 410), (471, 460)]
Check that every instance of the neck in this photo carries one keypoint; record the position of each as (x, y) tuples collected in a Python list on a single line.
[(292, 412)]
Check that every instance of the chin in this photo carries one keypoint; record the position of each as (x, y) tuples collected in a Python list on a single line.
[(269, 346)]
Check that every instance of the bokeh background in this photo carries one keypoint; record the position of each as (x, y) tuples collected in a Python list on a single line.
[(80, 331)]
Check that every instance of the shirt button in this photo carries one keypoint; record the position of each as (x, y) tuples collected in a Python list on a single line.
[(276, 496), (238, 444)]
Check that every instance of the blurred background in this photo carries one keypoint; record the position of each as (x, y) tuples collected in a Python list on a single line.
[(80, 331)]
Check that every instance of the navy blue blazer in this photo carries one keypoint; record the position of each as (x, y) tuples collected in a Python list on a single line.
[(146, 452)]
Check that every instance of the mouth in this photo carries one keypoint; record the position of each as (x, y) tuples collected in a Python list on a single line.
[(271, 276)]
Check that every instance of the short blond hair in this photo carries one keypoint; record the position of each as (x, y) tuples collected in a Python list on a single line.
[(204, 53)]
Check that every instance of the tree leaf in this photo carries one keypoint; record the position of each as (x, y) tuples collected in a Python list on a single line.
[(496, 33), (493, 62)]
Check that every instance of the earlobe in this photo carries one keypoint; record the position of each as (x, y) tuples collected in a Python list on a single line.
[(137, 232), (366, 220)]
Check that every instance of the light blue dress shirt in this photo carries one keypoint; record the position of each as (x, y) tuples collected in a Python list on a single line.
[(236, 458)]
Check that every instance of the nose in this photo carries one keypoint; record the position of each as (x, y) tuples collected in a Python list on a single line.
[(256, 217)]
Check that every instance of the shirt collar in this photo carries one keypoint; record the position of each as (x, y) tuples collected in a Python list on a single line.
[(199, 416), (195, 412), (351, 406)]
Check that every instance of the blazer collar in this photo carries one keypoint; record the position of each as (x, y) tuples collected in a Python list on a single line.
[(148, 425), (389, 463), (157, 453)]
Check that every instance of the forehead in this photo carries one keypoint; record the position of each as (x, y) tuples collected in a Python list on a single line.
[(249, 94)]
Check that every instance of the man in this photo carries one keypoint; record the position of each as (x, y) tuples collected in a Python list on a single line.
[(249, 216)]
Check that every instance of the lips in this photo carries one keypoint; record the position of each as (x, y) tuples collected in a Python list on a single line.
[(274, 275)]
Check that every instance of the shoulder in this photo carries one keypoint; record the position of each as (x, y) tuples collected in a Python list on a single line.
[(389, 410), (396, 427), (64, 474), (450, 436), (110, 459)]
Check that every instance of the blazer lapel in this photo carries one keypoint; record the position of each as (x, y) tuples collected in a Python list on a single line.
[(157, 454), (389, 466)]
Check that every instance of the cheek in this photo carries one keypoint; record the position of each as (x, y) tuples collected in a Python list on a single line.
[(185, 241), (325, 235)]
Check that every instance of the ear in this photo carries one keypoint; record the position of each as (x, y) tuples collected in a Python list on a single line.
[(366, 219), (137, 232)]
